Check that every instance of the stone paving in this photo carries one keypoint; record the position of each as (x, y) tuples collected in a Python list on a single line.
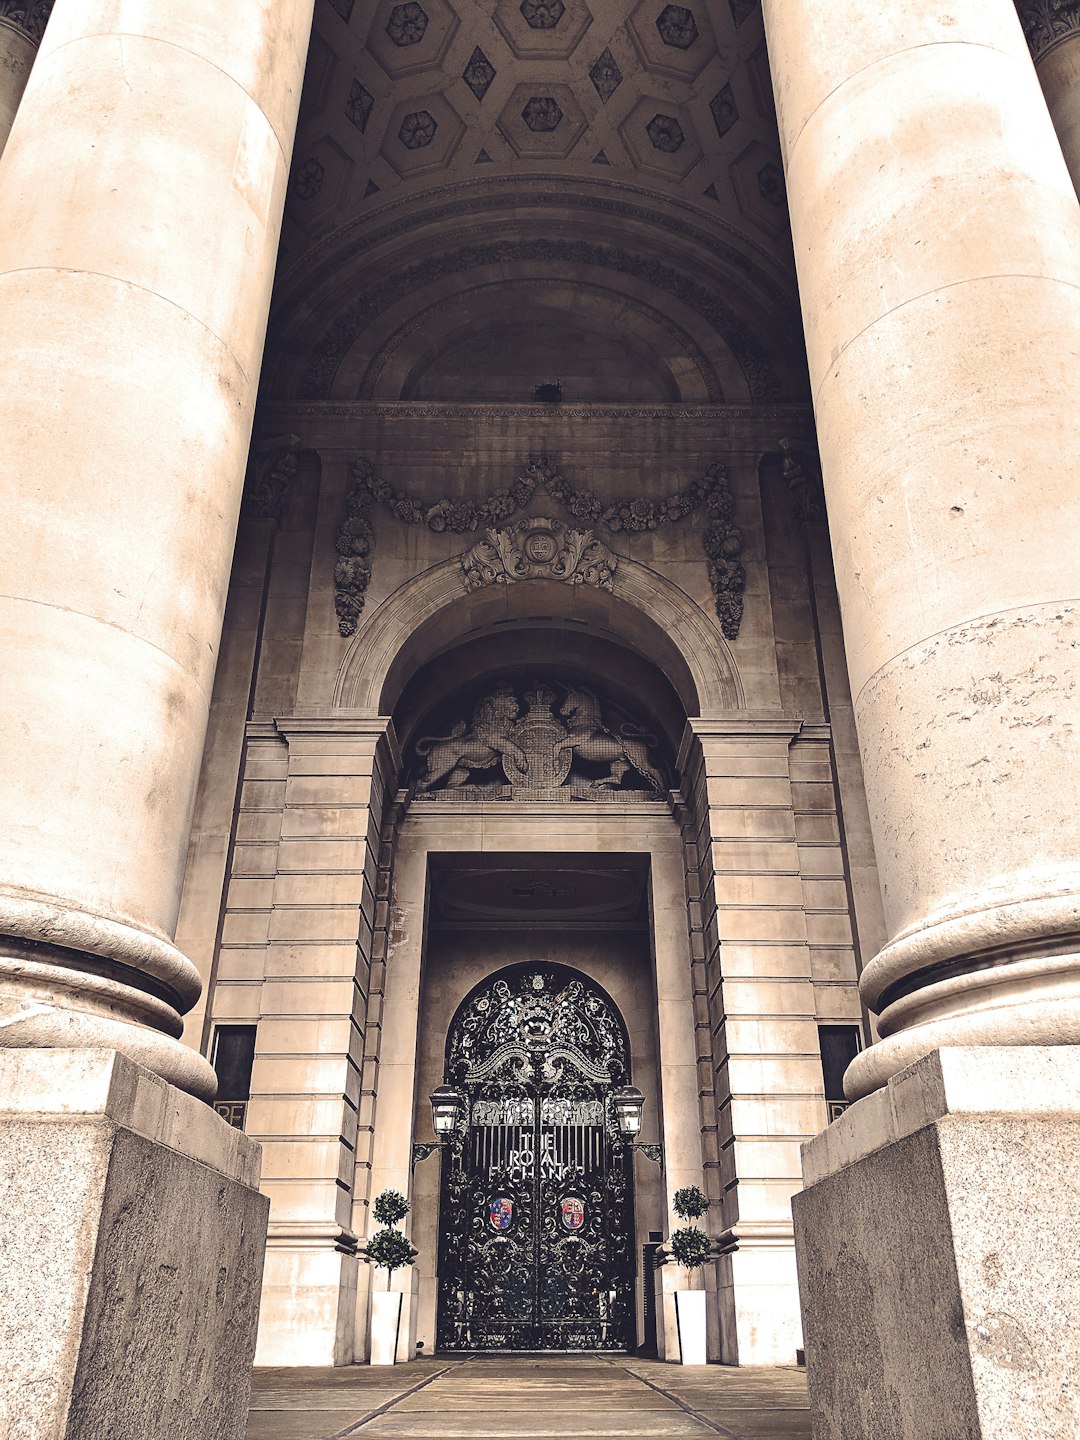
[(528, 1398)]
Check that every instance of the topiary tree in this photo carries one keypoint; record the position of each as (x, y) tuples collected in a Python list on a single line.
[(390, 1207), (690, 1203), (689, 1246), (389, 1249)]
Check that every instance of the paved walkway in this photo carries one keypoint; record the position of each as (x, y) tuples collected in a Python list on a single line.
[(528, 1397)]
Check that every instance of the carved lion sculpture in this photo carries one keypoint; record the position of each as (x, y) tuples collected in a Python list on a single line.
[(477, 746), (589, 739)]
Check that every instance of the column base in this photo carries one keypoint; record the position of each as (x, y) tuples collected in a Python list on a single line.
[(309, 1298), (939, 1252), (758, 1296), (130, 1256)]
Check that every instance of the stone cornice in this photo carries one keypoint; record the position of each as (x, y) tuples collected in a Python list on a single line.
[(1048, 23), (482, 412), (29, 16)]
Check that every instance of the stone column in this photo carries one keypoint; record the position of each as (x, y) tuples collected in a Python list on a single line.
[(142, 188), (1052, 28), (937, 238), (22, 24)]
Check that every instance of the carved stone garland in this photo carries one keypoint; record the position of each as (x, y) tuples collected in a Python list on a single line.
[(543, 547), (352, 573), (1046, 22)]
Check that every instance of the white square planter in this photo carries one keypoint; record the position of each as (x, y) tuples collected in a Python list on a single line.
[(385, 1322), (690, 1315)]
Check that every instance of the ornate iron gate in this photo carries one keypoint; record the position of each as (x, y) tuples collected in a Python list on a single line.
[(536, 1247)]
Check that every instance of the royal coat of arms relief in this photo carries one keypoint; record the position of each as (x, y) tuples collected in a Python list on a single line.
[(546, 743)]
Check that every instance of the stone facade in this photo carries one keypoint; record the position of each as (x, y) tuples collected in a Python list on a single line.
[(589, 586)]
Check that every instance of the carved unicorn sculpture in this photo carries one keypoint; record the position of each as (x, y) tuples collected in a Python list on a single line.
[(589, 739)]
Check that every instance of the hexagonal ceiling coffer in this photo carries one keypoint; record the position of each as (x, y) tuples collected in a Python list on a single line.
[(672, 40), (422, 134), (770, 180), (661, 137), (542, 112), (407, 24), (308, 179), (320, 177), (758, 181), (417, 130), (542, 29), (677, 27), (666, 133), (543, 127), (542, 14), (407, 38)]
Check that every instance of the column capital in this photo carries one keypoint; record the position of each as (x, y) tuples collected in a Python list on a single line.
[(29, 16), (1047, 23)]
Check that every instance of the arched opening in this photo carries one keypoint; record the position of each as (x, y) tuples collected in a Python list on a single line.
[(536, 1212), (644, 614)]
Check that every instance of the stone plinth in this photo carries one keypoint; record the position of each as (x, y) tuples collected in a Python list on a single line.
[(130, 1255), (939, 1252)]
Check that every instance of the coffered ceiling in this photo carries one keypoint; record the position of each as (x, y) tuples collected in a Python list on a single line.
[(403, 95), (472, 176)]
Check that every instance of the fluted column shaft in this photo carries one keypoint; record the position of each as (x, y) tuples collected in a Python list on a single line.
[(1052, 28), (142, 188), (937, 240)]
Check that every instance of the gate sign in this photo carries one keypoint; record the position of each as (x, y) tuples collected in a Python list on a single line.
[(501, 1212), (573, 1212)]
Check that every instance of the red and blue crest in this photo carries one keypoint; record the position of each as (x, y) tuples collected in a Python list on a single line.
[(572, 1210), (501, 1212)]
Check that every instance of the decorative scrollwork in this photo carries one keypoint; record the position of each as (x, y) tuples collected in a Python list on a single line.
[(539, 548), (31, 16), (535, 1227), (1047, 22), (271, 470)]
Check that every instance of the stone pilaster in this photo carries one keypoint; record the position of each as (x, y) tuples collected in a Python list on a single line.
[(1052, 28), (768, 920), (936, 293), (136, 261), (314, 934)]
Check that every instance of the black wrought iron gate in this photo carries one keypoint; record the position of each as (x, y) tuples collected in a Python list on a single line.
[(536, 1247)]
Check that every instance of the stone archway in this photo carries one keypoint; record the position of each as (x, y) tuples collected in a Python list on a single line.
[(643, 610)]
